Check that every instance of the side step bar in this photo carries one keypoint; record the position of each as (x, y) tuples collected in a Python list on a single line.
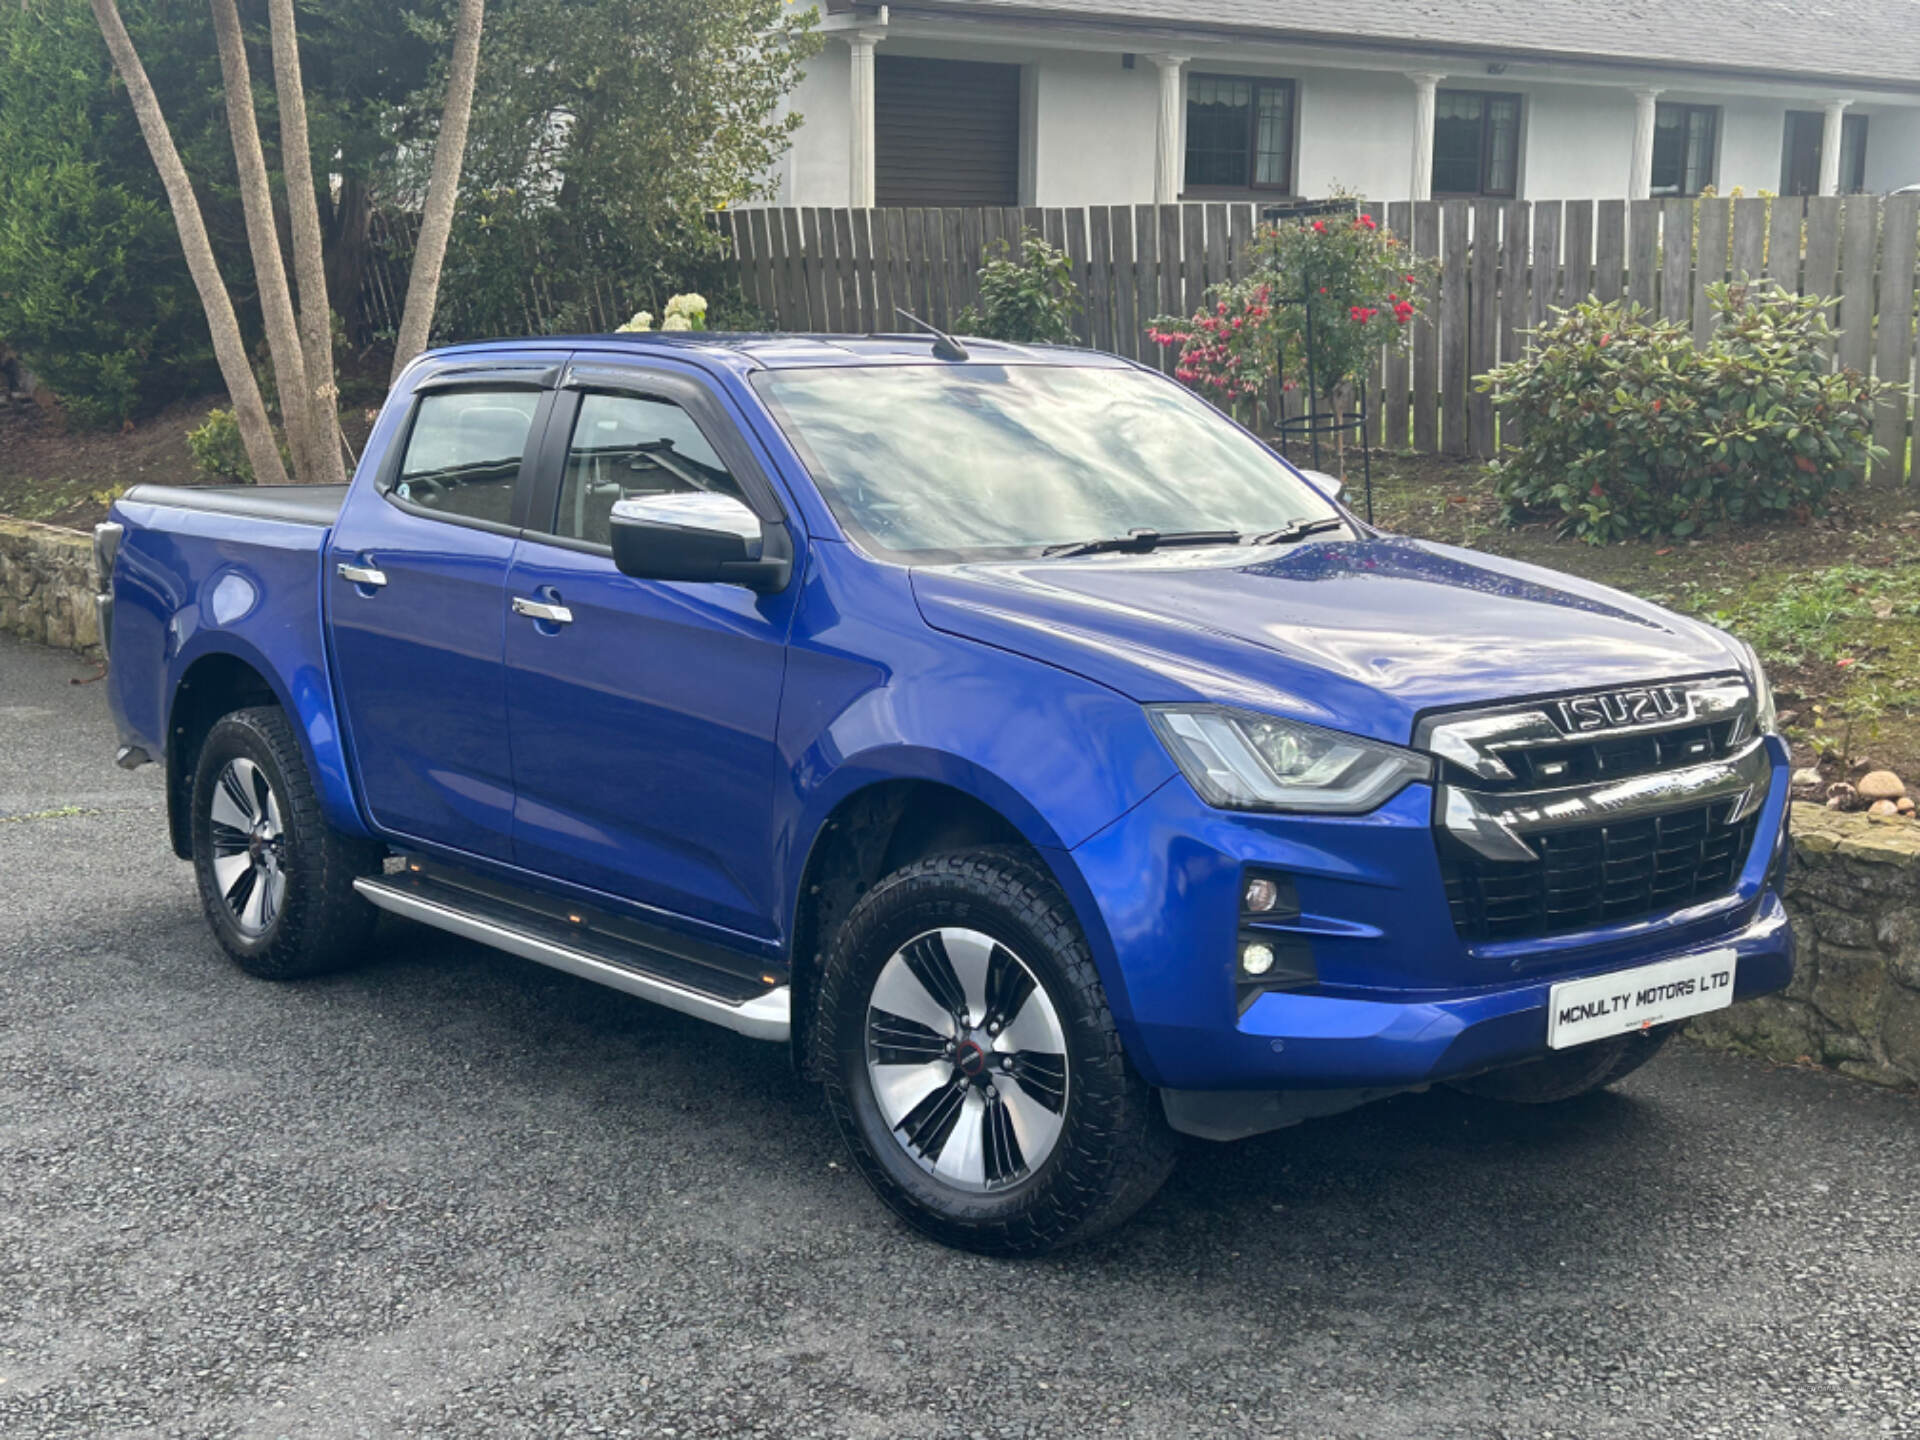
[(767, 1016)]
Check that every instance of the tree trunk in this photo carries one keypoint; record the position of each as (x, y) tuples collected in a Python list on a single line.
[(256, 199), (443, 188), (309, 262), (346, 252), (256, 431)]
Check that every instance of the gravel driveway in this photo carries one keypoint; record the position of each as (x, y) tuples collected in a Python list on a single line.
[(458, 1194)]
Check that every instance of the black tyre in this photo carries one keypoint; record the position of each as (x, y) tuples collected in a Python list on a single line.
[(276, 883), (1567, 1074), (972, 1062)]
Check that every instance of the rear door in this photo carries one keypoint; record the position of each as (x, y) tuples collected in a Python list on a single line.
[(417, 602), (643, 723)]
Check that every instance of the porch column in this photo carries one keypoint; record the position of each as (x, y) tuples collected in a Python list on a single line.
[(1166, 148), (1830, 134), (860, 121), (1640, 173), (1424, 83)]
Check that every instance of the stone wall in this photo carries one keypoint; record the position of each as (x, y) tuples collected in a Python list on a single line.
[(46, 585), (1854, 896)]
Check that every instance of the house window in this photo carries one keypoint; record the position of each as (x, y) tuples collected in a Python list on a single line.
[(1476, 143), (1800, 155), (1239, 133), (1684, 138)]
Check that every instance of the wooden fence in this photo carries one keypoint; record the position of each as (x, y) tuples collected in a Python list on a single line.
[(551, 296), (1503, 266)]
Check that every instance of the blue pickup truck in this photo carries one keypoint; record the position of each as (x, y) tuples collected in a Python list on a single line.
[(1051, 764)]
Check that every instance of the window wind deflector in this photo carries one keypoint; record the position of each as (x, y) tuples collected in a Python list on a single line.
[(1298, 530), (528, 377), (1139, 542), (609, 377)]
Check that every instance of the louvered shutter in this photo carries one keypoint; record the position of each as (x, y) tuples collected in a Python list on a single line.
[(946, 132)]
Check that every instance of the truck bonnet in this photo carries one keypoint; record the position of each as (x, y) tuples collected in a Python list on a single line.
[(1358, 635)]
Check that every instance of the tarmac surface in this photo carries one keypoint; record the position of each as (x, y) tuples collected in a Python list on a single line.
[(454, 1194)]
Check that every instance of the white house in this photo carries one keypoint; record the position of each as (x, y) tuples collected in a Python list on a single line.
[(1080, 102)]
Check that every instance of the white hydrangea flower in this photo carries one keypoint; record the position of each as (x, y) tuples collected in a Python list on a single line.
[(642, 320), (676, 321)]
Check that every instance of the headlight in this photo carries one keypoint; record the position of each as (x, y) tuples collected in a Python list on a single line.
[(1766, 718), (1243, 760)]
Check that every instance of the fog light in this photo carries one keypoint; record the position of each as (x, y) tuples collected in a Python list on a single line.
[(1261, 896), (1256, 959)]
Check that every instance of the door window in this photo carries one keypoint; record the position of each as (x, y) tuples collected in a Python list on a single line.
[(630, 445), (463, 455), (1683, 146), (1239, 133)]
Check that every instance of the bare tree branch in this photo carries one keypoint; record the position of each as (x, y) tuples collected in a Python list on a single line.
[(256, 431), (309, 261), (256, 199), (443, 188)]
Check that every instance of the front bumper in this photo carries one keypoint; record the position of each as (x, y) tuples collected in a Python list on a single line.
[(1401, 1000)]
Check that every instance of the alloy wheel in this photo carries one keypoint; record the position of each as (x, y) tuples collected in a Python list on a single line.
[(249, 847), (967, 1059)]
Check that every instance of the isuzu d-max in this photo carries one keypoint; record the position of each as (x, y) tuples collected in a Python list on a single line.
[(1049, 762)]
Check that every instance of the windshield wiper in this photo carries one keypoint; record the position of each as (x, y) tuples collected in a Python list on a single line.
[(1297, 530), (1139, 542)]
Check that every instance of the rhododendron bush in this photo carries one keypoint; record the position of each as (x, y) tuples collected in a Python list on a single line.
[(1627, 428), (1354, 281)]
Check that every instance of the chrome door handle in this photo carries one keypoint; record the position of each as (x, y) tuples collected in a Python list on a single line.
[(361, 574), (540, 610)]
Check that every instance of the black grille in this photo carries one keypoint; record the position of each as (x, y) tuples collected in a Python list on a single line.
[(1595, 876)]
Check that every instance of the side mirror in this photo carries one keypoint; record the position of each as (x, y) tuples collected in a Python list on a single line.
[(1328, 485), (701, 537)]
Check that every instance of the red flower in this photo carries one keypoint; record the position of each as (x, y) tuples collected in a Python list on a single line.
[(1409, 279), (1320, 227), (1393, 297)]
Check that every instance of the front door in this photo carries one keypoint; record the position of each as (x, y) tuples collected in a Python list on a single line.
[(416, 577), (1800, 165), (642, 713)]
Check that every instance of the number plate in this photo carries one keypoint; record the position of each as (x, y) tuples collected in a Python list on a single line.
[(1579, 1011)]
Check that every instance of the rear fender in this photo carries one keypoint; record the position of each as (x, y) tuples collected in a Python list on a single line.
[(300, 689)]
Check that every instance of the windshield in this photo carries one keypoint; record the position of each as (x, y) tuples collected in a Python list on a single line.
[(946, 462)]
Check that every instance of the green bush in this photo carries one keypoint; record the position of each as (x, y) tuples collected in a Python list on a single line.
[(1029, 299), (218, 453), (1626, 429)]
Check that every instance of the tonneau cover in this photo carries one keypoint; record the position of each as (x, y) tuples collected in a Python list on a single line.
[(296, 504)]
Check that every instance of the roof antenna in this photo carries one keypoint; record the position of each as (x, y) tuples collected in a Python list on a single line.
[(944, 345)]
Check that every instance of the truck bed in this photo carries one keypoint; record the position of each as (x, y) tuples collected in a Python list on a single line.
[(298, 504), (228, 575)]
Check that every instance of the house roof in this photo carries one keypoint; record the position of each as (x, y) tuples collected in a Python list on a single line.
[(1872, 43)]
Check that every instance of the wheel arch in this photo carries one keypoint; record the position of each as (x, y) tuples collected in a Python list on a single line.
[(221, 674), (888, 821)]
